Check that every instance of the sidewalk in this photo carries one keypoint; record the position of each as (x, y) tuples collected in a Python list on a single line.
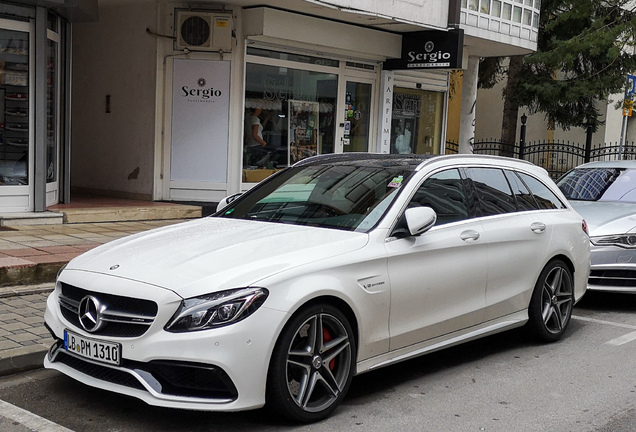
[(30, 257)]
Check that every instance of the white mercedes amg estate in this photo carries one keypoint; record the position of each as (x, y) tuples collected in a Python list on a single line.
[(333, 267)]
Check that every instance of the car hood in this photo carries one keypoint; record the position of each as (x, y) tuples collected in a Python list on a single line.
[(606, 218), (210, 254)]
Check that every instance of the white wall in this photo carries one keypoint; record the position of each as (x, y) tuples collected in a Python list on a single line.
[(114, 56), (428, 12)]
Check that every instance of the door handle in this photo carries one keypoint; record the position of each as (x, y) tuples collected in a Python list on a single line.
[(469, 236), (538, 227)]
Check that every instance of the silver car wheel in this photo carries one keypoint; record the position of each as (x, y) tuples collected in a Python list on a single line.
[(557, 300), (550, 307), (312, 364), (318, 362)]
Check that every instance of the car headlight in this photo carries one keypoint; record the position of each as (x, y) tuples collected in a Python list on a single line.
[(620, 240), (216, 309)]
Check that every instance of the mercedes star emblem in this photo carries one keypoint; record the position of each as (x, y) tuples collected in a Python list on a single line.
[(90, 314)]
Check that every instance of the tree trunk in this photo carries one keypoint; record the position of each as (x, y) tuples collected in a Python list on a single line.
[(510, 110)]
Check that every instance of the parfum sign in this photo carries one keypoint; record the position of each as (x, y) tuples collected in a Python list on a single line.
[(430, 50)]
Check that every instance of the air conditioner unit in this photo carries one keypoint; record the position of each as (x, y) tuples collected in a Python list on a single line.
[(204, 31)]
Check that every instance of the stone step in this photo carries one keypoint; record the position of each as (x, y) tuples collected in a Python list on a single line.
[(30, 218), (134, 213)]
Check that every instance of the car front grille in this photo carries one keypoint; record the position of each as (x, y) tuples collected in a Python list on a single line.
[(123, 316), (613, 278), (170, 378)]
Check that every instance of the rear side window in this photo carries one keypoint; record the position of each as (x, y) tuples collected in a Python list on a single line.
[(525, 200), (444, 193), (544, 196), (493, 191)]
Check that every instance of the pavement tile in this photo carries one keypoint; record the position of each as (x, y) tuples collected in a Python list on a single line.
[(13, 327), (45, 259), (6, 344), (32, 320), (57, 249), (23, 238), (86, 246), (5, 317), (7, 244), (22, 337), (24, 252), (13, 262), (41, 243)]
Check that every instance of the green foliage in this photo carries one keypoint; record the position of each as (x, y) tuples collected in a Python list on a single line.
[(584, 53)]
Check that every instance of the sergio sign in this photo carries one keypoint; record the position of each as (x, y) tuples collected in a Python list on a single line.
[(431, 49)]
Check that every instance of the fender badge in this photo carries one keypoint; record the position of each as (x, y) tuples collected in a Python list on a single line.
[(115, 267)]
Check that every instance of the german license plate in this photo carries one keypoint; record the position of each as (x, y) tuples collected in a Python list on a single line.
[(101, 351)]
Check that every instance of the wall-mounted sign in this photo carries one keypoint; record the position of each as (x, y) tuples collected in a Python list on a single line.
[(431, 49)]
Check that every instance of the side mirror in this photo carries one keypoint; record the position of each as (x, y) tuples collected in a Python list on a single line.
[(420, 219), (226, 201)]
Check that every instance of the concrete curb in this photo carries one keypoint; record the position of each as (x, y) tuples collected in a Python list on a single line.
[(30, 274), (22, 359)]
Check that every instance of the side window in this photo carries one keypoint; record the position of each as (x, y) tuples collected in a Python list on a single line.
[(493, 192), (544, 196), (444, 193), (525, 200)]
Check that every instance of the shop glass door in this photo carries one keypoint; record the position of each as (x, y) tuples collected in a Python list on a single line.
[(357, 116)]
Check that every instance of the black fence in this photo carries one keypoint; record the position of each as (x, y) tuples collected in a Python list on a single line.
[(556, 157)]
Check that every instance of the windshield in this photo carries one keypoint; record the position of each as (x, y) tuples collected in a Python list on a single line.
[(599, 184), (351, 196)]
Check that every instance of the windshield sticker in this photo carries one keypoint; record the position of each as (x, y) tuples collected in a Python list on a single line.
[(230, 211), (396, 182)]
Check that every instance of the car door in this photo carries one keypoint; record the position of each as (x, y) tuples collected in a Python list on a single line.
[(438, 279), (518, 235)]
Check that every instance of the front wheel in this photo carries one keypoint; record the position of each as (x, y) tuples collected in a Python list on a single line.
[(312, 364), (551, 304)]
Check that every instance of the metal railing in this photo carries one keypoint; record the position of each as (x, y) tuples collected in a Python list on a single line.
[(557, 157)]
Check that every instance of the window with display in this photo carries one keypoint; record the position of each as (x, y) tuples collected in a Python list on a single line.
[(14, 112), (289, 115), (417, 118)]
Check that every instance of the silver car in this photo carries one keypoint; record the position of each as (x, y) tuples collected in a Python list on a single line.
[(604, 193)]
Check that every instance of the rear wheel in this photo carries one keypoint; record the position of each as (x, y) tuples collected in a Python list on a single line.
[(551, 304), (312, 364)]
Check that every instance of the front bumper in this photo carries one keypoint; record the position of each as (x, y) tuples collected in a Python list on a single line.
[(224, 369), (613, 269)]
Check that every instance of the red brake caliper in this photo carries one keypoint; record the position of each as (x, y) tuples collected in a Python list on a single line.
[(326, 337)]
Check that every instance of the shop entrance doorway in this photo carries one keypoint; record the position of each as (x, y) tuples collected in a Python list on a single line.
[(357, 116)]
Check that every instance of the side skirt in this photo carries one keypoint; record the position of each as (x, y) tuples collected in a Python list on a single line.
[(508, 322)]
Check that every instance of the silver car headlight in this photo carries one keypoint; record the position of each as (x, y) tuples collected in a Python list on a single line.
[(216, 309), (620, 240)]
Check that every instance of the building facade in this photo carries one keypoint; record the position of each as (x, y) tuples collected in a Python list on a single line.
[(163, 100)]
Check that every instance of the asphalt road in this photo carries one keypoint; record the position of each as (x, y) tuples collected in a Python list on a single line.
[(505, 383)]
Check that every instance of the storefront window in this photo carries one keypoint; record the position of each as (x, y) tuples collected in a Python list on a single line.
[(289, 116), (416, 124), (14, 112)]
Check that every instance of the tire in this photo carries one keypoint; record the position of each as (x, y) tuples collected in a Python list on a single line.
[(312, 364), (551, 304)]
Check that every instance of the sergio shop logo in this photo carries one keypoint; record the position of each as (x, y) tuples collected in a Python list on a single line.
[(202, 93)]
